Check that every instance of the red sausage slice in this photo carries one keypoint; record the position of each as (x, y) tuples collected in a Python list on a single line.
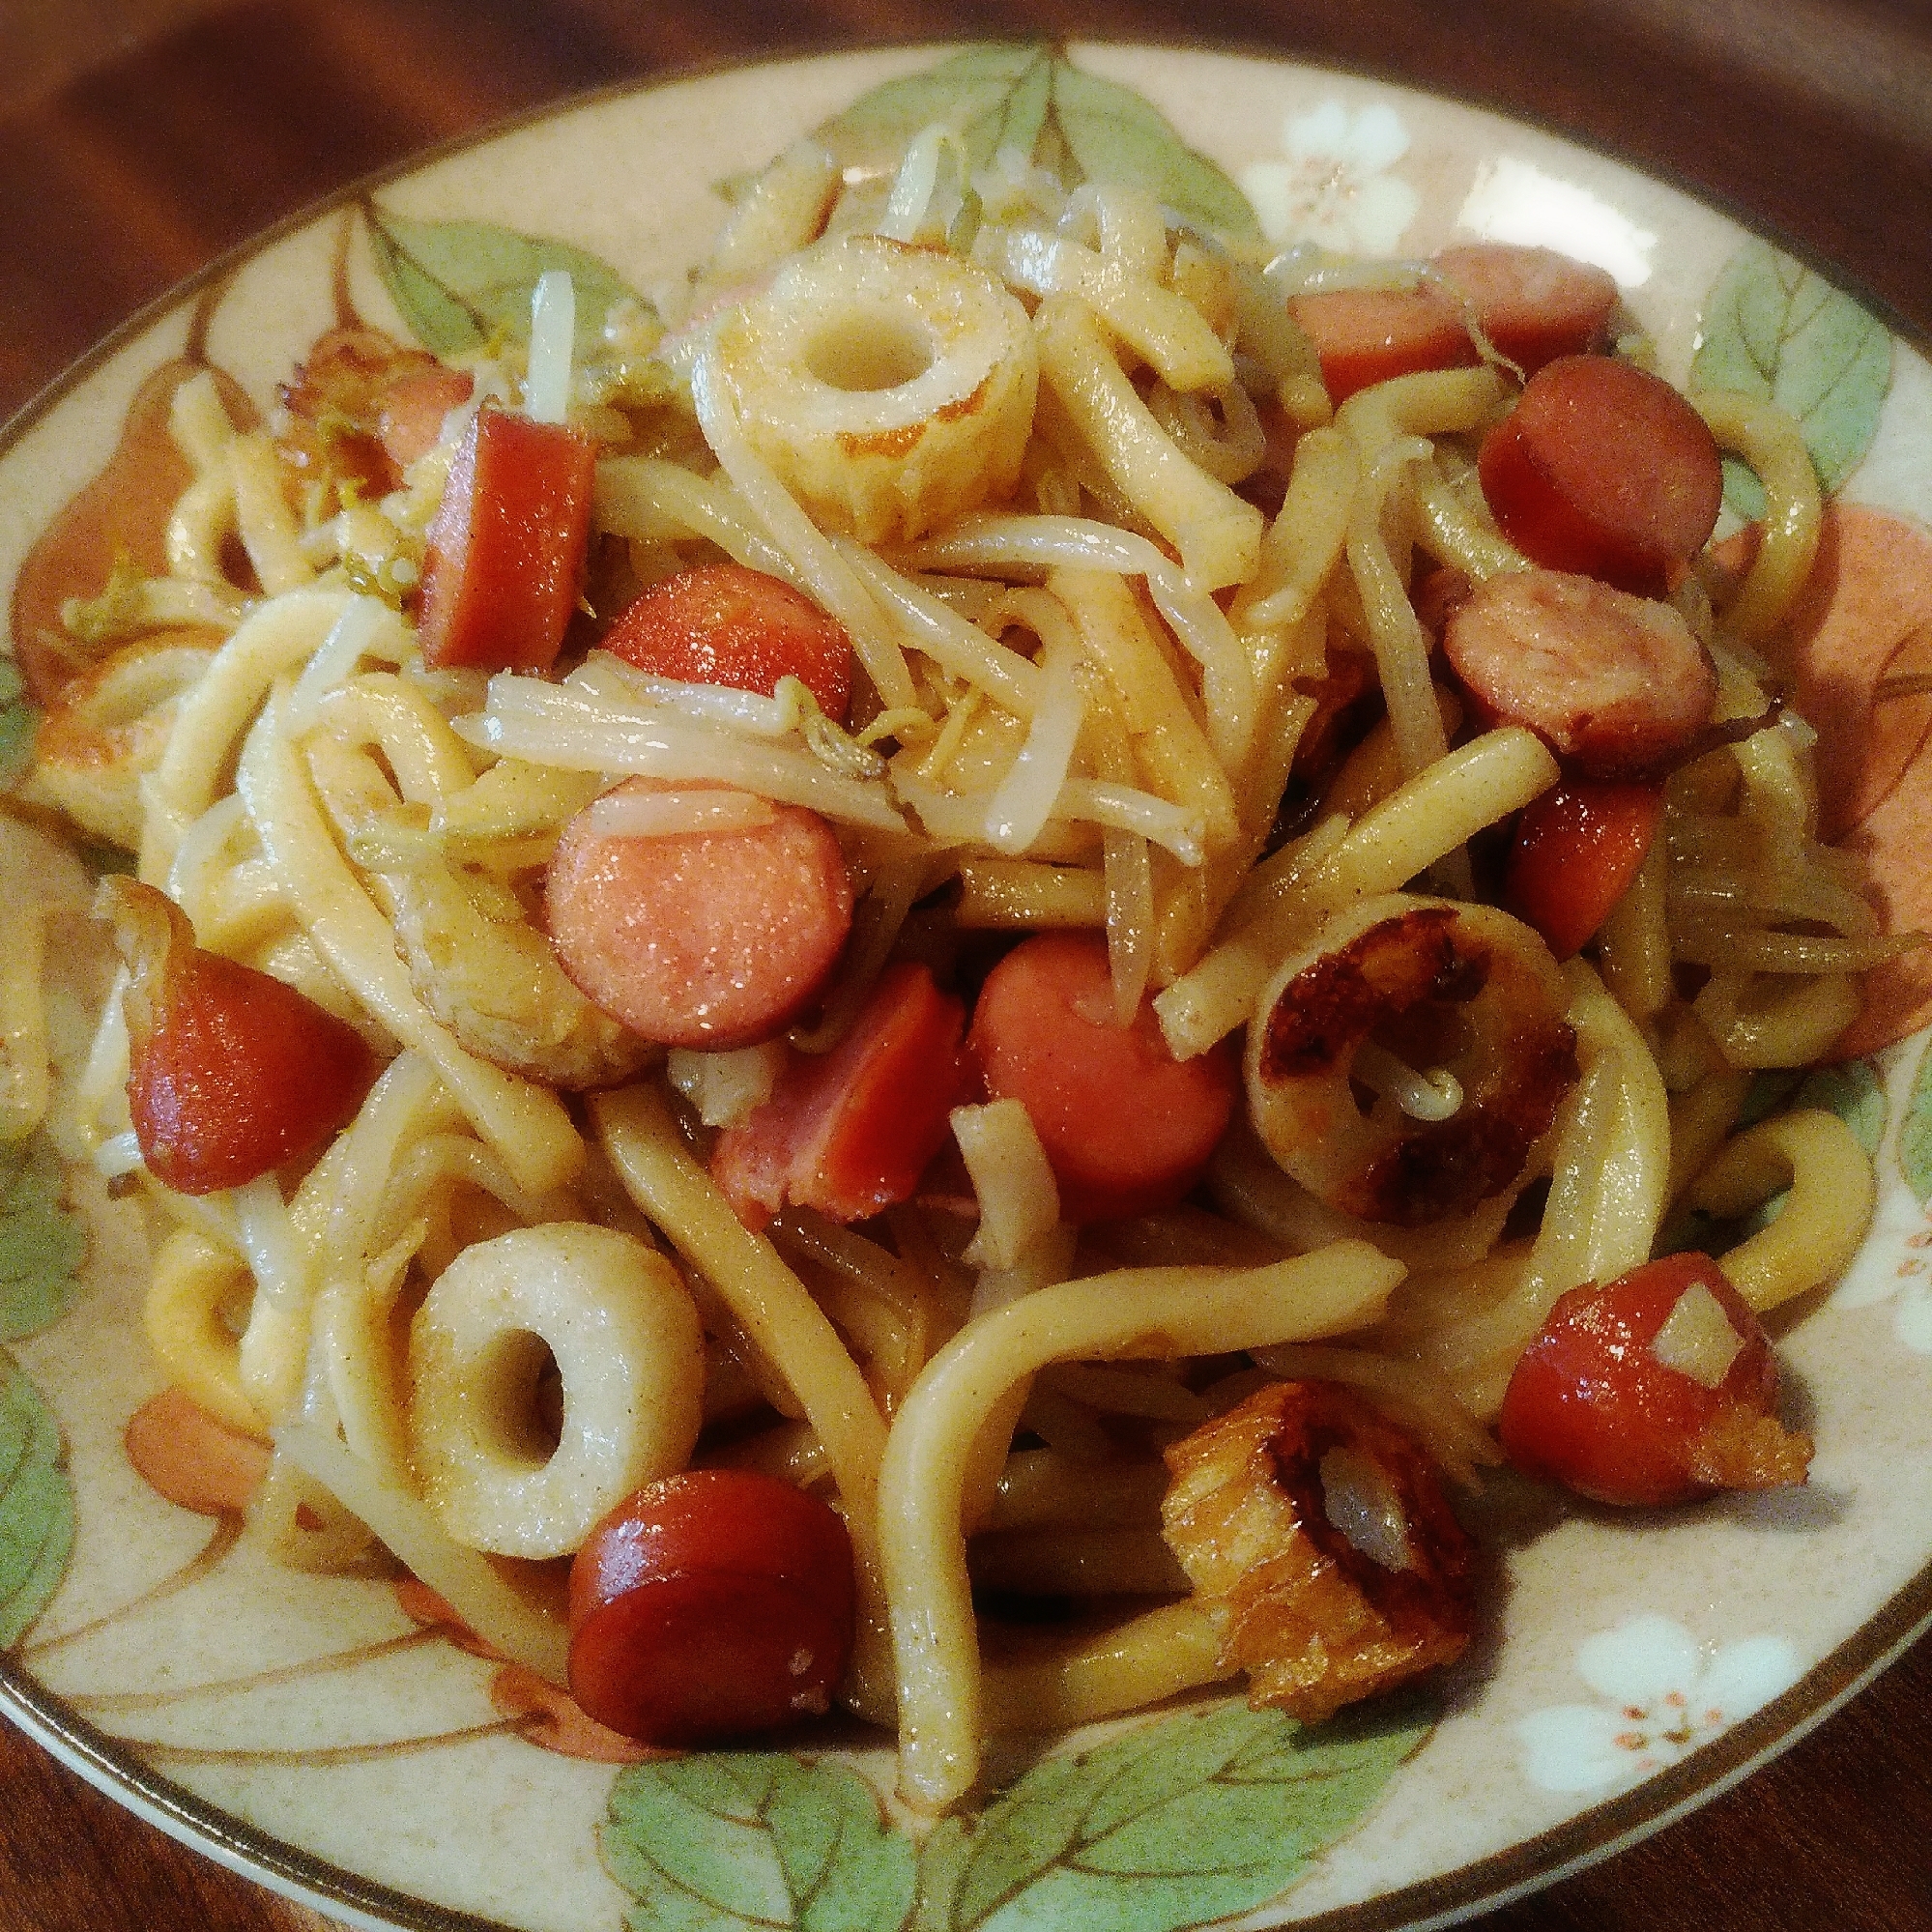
[(1605, 470), (1615, 686), (1366, 335), (1533, 303), (710, 940), (231, 1073), (505, 555), (722, 623), (851, 1132), (1125, 1126), (1577, 848), (1602, 1400), (711, 1605)]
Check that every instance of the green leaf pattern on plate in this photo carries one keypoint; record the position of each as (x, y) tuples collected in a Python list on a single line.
[(1188, 1819), (462, 286), (1114, 135), (41, 1241), (740, 1839), (992, 98), (1034, 100), (1853, 1091), (36, 1504), (1198, 1817), (1774, 330)]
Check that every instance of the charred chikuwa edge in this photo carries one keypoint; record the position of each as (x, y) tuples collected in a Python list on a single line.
[(1449, 1165), (1456, 1163), (1333, 1004)]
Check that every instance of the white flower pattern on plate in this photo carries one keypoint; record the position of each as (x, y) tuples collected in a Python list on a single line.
[(1908, 1284), (1332, 187), (1663, 1692)]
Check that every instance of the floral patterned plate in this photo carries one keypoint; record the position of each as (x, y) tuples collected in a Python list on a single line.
[(336, 1738)]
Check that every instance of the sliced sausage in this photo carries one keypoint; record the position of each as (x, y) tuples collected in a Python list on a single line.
[(722, 623), (506, 555), (409, 423), (712, 1603), (1577, 850), (1615, 686), (1534, 305), (1436, 594), (363, 406), (1125, 1126), (1605, 470), (231, 1073), (1367, 335), (849, 1133), (710, 939), (1595, 1401)]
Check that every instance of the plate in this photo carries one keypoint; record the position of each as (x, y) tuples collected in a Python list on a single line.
[(331, 1738)]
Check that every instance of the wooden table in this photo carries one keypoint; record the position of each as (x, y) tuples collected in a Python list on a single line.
[(1810, 118)]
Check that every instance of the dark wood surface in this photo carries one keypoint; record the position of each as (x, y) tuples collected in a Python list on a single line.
[(1810, 118)]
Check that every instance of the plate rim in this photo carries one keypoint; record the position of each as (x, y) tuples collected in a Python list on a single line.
[(1588, 1838), (234, 257)]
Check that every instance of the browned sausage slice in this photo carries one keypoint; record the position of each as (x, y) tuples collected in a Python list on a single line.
[(1126, 1127), (1367, 335), (1533, 303), (504, 561), (1603, 468), (1615, 686), (712, 939)]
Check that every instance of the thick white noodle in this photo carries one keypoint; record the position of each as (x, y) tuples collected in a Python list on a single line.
[(1161, 1314)]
